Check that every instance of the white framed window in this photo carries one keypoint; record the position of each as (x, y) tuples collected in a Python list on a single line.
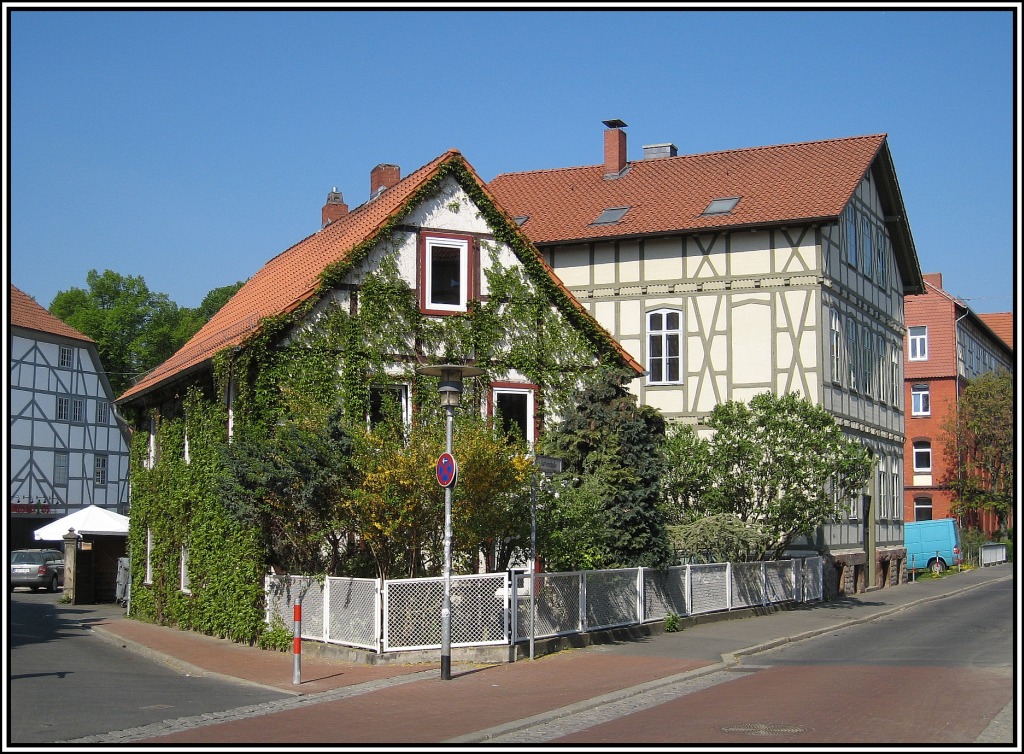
[(895, 380), (445, 273), (922, 509), (63, 408), (851, 236), (917, 343), (183, 571), (896, 489), (150, 461), (102, 412), (389, 403), (60, 469), (867, 375), (149, 556), (229, 399), (883, 489), (664, 347), (881, 269), (99, 476), (67, 357), (837, 346), (922, 457), (852, 354), (514, 407), (879, 367), (920, 400), (77, 410), (867, 252)]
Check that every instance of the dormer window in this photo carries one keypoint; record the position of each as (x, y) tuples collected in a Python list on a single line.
[(721, 206), (611, 216)]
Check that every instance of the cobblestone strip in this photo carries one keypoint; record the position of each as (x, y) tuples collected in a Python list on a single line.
[(574, 718), (166, 727)]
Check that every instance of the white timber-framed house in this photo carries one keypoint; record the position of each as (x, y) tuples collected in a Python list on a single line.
[(731, 273), (67, 447), (444, 236)]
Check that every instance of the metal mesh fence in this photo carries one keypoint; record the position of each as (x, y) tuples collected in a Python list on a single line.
[(406, 614), (412, 612), (747, 584), (612, 597), (813, 579), (709, 588), (664, 592), (780, 580), (353, 612), (557, 604), (282, 591)]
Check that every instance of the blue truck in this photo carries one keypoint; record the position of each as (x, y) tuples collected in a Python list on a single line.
[(934, 545)]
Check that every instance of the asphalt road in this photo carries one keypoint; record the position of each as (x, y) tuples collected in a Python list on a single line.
[(938, 674), (65, 682)]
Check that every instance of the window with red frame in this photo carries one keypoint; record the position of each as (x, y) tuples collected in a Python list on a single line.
[(446, 268)]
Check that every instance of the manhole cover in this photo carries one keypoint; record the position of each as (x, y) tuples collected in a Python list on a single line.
[(764, 729)]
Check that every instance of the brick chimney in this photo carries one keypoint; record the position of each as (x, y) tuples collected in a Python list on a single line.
[(614, 148), (383, 177), (935, 278), (334, 209)]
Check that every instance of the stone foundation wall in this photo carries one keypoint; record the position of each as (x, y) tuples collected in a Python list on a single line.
[(846, 573)]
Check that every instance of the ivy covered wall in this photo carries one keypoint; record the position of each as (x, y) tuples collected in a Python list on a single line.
[(362, 327)]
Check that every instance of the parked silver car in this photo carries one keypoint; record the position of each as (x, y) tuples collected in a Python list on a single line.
[(37, 569)]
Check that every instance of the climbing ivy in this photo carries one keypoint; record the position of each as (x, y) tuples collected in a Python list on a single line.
[(299, 368), (176, 505)]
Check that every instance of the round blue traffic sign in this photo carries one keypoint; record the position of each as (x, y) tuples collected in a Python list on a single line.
[(447, 470)]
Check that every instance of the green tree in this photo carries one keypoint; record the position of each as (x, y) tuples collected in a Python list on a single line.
[(191, 320), (978, 440), (491, 499), (779, 463), (611, 447), (134, 328), (289, 485)]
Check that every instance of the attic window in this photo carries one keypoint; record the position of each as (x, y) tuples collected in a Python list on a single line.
[(521, 219), (611, 216), (721, 206)]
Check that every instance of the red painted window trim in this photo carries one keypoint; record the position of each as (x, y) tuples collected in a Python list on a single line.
[(421, 269)]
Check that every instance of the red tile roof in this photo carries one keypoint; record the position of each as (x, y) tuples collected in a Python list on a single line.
[(1001, 323), (293, 277), (777, 185), (792, 182), (25, 312)]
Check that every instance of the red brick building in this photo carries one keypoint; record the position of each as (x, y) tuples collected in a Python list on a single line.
[(946, 345)]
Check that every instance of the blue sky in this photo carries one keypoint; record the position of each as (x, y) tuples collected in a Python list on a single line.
[(190, 147)]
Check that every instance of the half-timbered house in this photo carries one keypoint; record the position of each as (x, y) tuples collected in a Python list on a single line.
[(726, 274)]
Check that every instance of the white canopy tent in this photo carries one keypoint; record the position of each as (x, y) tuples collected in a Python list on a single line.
[(92, 520)]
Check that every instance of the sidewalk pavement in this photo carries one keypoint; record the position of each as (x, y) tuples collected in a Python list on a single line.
[(565, 681)]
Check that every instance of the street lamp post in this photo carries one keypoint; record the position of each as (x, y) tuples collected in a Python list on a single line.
[(450, 388)]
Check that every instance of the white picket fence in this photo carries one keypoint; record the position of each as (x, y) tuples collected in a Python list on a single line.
[(397, 615)]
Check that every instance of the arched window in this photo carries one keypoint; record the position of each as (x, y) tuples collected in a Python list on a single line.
[(664, 347), (922, 457)]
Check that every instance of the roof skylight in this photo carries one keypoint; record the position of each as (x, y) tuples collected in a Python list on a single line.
[(721, 206), (611, 216)]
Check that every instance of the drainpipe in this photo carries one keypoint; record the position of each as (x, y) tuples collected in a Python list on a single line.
[(956, 399)]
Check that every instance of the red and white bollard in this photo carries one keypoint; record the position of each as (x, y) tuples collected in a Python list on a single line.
[(297, 644)]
